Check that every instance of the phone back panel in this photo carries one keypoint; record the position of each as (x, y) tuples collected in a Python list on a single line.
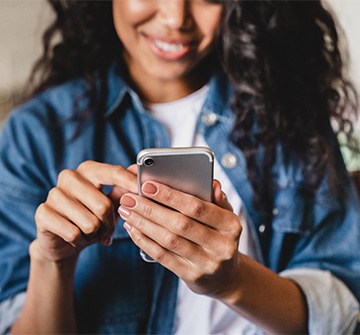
[(186, 169)]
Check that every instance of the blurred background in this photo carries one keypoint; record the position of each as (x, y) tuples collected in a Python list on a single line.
[(22, 23)]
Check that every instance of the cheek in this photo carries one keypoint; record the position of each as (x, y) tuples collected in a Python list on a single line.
[(132, 12), (209, 25), (126, 15)]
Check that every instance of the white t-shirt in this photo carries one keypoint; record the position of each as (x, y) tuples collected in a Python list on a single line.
[(198, 314)]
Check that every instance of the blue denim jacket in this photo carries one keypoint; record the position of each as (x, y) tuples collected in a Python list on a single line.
[(311, 240)]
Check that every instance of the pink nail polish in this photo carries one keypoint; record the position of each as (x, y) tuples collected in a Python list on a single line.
[(127, 201), (149, 188), (127, 227), (124, 212)]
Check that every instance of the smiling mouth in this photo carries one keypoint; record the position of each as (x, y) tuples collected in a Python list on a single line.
[(168, 47), (168, 50)]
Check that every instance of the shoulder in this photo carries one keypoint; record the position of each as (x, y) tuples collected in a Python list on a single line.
[(57, 101), (37, 121), (43, 116), (64, 101)]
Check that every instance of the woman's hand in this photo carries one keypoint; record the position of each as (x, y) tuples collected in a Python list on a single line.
[(77, 213), (195, 239)]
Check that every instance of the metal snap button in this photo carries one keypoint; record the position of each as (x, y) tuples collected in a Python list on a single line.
[(229, 161), (262, 228), (275, 211), (209, 119)]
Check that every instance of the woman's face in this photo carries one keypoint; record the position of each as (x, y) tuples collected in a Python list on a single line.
[(165, 39)]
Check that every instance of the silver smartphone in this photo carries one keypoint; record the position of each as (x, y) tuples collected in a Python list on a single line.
[(188, 169)]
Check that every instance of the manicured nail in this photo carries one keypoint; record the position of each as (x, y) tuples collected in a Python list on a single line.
[(108, 241), (127, 227), (124, 212), (128, 201), (149, 188)]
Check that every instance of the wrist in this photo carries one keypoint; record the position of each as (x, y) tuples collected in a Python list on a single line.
[(38, 257), (235, 287)]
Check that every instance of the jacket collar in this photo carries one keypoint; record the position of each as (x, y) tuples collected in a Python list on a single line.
[(220, 92), (117, 89)]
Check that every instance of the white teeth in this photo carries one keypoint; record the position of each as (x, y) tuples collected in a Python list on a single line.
[(168, 47)]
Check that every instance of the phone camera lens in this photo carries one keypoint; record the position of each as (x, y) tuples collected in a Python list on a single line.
[(149, 161)]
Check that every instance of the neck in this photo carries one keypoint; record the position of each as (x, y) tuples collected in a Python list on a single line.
[(153, 90)]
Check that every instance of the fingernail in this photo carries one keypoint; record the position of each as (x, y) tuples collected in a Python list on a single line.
[(108, 241), (127, 227), (149, 188), (123, 212), (128, 201)]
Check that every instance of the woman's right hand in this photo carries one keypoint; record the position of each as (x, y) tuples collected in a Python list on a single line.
[(77, 213)]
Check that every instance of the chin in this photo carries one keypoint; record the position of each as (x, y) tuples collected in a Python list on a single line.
[(172, 74)]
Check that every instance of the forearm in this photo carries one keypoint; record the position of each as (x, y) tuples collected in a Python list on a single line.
[(274, 303), (49, 306)]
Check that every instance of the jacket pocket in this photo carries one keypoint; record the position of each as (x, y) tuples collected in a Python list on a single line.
[(292, 213)]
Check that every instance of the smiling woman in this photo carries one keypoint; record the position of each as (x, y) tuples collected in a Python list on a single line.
[(258, 82), (166, 42)]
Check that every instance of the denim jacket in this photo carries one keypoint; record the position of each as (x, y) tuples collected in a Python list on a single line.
[(314, 241)]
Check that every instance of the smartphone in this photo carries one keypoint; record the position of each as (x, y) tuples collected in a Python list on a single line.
[(188, 169)]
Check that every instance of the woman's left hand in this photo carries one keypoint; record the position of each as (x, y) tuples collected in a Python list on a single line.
[(195, 239)]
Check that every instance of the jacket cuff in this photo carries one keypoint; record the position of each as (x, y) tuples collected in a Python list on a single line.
[(332, 308), (10, 310)]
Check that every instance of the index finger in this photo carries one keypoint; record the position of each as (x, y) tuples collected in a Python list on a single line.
[(189, 205), (100, 174)]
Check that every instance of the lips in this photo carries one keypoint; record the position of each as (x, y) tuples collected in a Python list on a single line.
[(169, 49)]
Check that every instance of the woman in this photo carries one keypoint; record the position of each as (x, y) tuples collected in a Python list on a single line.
[(258, 82)]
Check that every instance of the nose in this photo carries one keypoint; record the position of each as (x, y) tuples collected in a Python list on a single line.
[(175, 14)]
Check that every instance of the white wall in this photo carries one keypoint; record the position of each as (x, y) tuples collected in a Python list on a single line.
[(21, 25), (348, 12)]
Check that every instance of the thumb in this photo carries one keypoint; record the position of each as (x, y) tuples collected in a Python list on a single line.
[(220, 197)]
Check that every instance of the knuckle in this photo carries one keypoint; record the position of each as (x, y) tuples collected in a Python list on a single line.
[(196, 276), (196, 209), (168, 196), (147, 211), (54, 195), (92, 226), (72, 236), (137, 239), (84, 165), (183, 226), (116, 172), (139, 222), (211, 268), (66, 174), (236, 227), (103, 208), (63, 174), (171, 242), (40, 215), (228, 251), (159, 255)]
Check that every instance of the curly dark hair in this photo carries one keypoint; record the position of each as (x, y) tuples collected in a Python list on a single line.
[(284, 60), (282, 57)]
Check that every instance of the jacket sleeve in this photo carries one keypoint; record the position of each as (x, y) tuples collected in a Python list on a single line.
[(315, 240), (23, 186), (332, 308), (9, 311)]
